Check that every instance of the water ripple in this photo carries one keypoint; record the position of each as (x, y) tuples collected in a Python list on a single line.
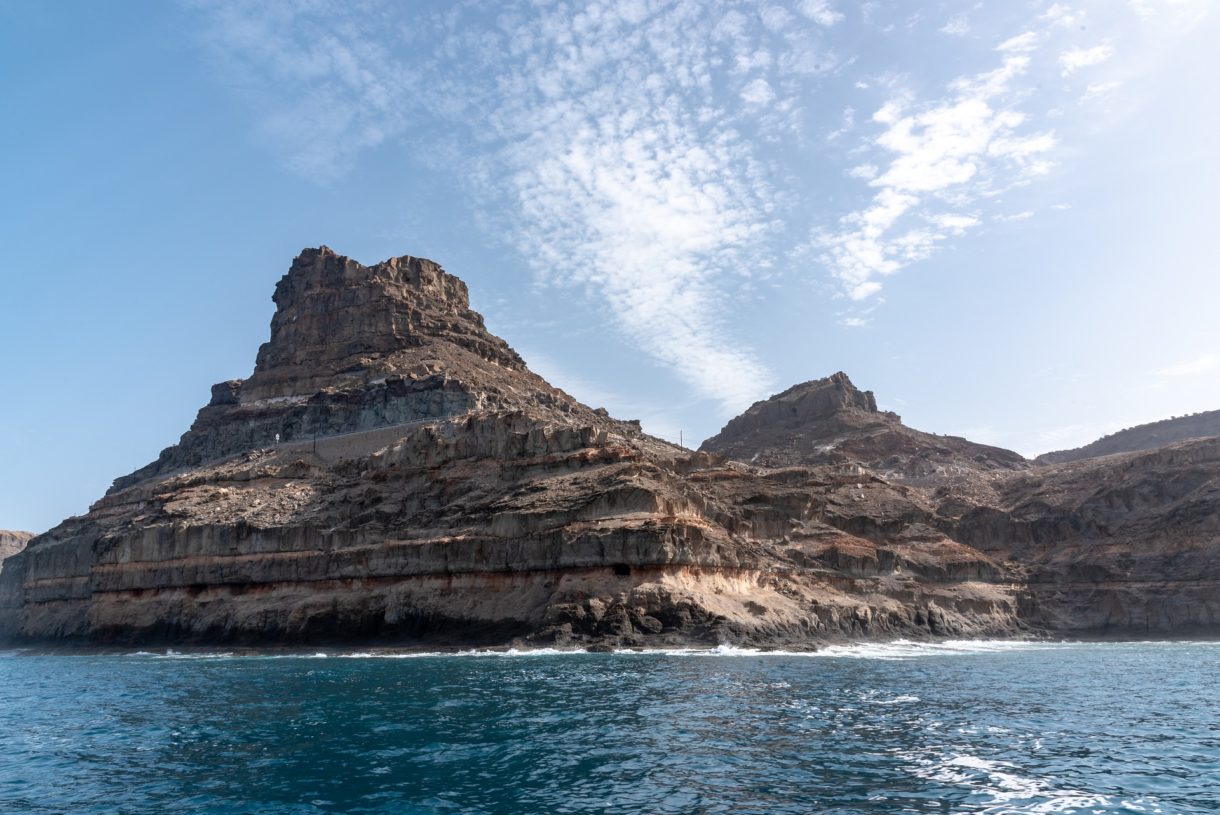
[(893, 728)]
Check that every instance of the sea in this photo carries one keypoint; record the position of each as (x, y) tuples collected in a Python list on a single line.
[(902, 727)]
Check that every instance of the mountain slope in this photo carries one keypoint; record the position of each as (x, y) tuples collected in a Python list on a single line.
[(393, 471), (1125, 542), (830, 421), (1142, 437)]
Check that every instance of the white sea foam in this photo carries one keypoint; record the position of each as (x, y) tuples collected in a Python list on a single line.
[(909, 649), (894, 650), (1005, 790)]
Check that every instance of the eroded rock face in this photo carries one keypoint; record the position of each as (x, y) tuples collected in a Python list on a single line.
[(1125, 544), (1120, 543), (426, 485), (12, 542), (830, 421)]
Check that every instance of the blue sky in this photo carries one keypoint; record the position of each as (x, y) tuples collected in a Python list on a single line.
[(1000, 217)]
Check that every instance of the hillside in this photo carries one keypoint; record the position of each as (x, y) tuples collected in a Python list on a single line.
[(1142, 437)]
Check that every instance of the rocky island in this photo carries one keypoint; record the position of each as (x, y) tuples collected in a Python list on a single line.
[(393, 472)]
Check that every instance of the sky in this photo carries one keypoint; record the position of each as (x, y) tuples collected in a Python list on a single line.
[(998, 216)]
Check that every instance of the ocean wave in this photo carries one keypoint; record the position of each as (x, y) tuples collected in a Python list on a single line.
[(893, 650), (1003, 789)]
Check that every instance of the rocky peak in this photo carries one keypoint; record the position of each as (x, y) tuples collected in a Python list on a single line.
[(818, 406), (337, 319), (823, 398), (355, 348), (831, 421)]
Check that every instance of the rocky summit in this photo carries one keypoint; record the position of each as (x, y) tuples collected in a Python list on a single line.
[(393, 472)]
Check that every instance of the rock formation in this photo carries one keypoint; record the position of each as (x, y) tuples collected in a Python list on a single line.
[(830, 421), (12, 542), (425, 484), (1128, 543), (391, 471), (1142, 437)]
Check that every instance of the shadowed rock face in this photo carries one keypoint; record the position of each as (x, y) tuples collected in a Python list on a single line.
[(427, 486)]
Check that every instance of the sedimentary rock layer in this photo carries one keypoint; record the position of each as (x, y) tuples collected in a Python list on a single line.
[(1121, 544), (392, 471)]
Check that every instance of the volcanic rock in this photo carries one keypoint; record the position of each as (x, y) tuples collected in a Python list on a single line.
[(831, 422), (12, 542), (1125, 543), (393, 471)]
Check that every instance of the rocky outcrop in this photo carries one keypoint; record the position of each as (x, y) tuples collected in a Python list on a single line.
[(1142, 437), (831, 422), (393, 471), (12, 542), (1126, 544)]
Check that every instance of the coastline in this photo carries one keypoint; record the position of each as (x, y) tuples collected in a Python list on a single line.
[(837, 647)]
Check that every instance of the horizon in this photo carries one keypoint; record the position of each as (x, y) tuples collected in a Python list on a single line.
[(997, 220)]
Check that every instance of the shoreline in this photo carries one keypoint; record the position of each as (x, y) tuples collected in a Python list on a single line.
[(357, 651)]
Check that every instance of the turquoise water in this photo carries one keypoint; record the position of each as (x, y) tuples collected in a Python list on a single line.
[(962, 727)]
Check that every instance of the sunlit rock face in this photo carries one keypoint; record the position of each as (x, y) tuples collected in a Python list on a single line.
[(1119, 537), (12, 542), (393, 472)]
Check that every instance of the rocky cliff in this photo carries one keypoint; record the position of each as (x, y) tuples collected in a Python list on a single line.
[(393, 471), (1142, 437), (1124, 544), (12, 542)]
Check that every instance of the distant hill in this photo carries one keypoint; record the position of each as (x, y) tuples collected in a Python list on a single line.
[(1142, 437)]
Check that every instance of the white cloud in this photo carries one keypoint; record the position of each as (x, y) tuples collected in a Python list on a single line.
[(1078, 58), (758, 92), (849, 122), (951, 150), (1100, 89), (957, 26), (955, 223), (1193, 367), (1021, 43), (820, 11), (1063, 15)]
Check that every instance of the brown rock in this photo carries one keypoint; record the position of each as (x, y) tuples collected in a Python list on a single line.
[(392, 470), (12, 542)]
